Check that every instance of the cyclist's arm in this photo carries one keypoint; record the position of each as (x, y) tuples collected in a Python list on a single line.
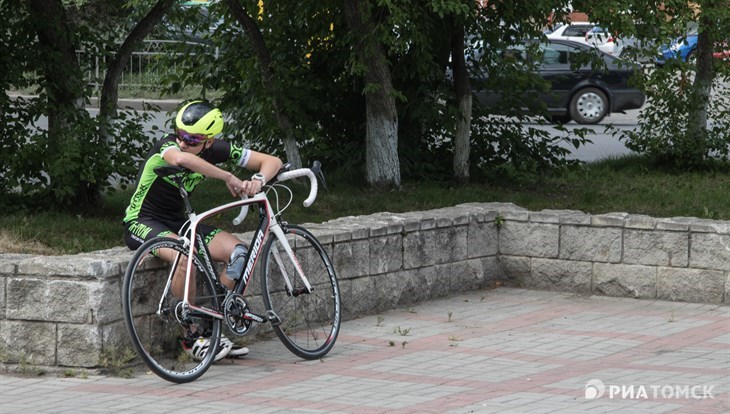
[(266, 164), (194, 163)]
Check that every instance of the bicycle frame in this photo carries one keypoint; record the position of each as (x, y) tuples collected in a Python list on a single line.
[(267, 222)]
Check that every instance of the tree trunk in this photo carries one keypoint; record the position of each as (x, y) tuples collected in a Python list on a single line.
[(701, 89), (110, 88), (462, 91), (61, 68), (64, 86), (263, 57), (381, 140)]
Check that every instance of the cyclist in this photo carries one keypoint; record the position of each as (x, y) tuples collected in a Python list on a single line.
[(156, 208)]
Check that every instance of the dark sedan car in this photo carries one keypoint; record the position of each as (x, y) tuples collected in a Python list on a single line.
[(578, 91)]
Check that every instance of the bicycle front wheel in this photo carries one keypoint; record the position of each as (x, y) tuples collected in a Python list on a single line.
[(308, 322), (155, 320)]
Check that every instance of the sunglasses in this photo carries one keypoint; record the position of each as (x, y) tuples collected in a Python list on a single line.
[(191, 139)]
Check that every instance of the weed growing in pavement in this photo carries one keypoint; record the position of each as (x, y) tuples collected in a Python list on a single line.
[(116, 362), (381, 318), (28, 368), (402, 332)]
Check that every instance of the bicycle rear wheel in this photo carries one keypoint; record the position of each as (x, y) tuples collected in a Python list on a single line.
[(309, 322), (154, 317)]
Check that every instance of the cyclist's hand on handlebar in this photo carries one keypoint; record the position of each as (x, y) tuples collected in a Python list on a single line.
[(235, 185), (251, 187)]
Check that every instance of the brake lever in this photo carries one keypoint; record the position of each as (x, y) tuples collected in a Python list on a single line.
[(317, 170)]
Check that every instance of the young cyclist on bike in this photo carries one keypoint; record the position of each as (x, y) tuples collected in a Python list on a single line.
[(156, 208)]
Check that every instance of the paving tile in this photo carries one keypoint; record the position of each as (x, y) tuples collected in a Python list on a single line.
[(492, 351)]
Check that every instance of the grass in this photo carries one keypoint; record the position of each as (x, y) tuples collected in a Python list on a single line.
[(620, 185)]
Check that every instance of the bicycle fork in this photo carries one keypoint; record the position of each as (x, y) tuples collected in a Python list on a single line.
[(279, 233)]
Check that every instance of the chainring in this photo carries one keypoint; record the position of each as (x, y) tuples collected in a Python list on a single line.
[(234, 307)]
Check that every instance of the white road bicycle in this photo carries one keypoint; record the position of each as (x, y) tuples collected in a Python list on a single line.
[(298, 286)]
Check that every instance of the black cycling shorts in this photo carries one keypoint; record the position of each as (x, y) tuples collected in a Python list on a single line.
[(142, 229)]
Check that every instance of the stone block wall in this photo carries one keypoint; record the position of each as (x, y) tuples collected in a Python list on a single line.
[(65, 311)]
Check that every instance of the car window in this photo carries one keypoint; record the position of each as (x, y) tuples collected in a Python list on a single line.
[(577, 30), (515, 53), (556, 54)]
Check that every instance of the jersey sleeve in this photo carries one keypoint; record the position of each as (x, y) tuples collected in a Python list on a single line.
[(240, 155), (223, 151)]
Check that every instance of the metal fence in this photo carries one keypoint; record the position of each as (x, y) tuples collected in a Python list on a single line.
[(143, 69)]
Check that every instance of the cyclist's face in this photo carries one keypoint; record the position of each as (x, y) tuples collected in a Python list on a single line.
[(193, 149)]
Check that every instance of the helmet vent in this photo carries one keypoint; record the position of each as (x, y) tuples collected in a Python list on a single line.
[(210, 125)]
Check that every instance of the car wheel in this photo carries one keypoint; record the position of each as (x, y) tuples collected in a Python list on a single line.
[(588, 106), (692, 57), (559, 119)]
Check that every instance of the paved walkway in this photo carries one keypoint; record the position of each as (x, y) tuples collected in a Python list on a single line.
[(504, 350)]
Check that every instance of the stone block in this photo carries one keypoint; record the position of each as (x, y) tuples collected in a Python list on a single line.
[(529, 239), (81, 345), (674, 224), (76, 266), (412, 286), (450, 244), (8, 267), (590, 244), (435, 281), (640, 221), (691, 285), (115, 336), (401, 288), (544, 216), (386, 254), (3, 282), (576, 219), (482, 239), (325, 235), (710, 226), (514, 269), (50, 300), (352, 259), (620, 280), (32, 343), (559, 275), (419, 249), (491, 273), (609, 220), (515, 215), (492, 207), (710, 251), (107, 299), (358, 296), (658, 248), (428, 223), (462, 276)]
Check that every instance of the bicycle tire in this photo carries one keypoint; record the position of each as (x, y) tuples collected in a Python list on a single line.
[(309, 322), (156, 336)]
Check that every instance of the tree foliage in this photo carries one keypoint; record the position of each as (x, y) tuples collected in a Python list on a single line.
[(69, 163), (686, 120), (301, 75)]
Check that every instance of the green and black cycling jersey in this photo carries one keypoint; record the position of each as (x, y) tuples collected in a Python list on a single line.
[(159, 198)]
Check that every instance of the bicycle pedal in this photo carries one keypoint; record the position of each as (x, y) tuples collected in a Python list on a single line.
[(273, 318)]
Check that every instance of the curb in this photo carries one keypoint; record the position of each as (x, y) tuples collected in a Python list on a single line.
[(137, 104)]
